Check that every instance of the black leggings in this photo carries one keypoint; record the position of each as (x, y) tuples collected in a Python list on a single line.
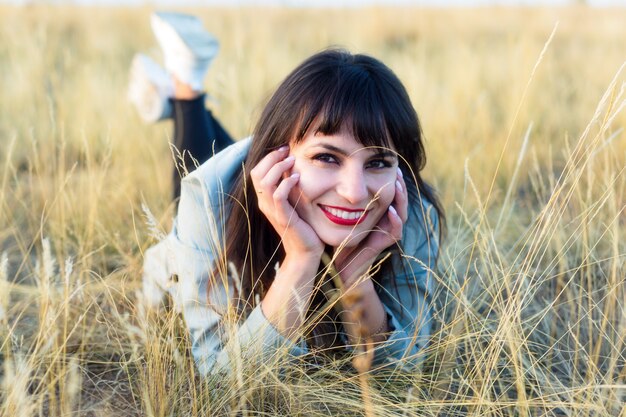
[(197, 136)]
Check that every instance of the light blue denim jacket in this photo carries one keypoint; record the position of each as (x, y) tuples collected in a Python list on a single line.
[(195, 243)]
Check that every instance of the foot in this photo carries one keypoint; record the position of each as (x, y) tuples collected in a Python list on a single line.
[(149, 89), (188, 48)]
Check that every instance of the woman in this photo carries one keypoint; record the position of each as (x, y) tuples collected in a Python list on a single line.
[(329, 190)]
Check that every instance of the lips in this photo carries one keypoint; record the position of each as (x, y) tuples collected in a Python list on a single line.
[(344, 216)]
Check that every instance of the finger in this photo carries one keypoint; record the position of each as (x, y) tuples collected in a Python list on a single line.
[(274, 175), (401, 197), (390, 228), (260, 170), (283, 210), (395, 223), (400, 179)]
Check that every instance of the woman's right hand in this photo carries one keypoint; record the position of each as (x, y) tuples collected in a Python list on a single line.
[(272, 185)]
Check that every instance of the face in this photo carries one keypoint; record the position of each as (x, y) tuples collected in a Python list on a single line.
[(344, 188)]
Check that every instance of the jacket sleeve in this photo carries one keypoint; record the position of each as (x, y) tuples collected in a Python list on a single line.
[(407, 300)]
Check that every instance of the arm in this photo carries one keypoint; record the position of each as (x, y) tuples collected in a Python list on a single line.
[(364, 315), (200, 226), (193, 248), (407, 301), (207, 298), (289, 295), (399, 305)]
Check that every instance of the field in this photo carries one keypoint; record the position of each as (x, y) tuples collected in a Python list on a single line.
[(523, 112)]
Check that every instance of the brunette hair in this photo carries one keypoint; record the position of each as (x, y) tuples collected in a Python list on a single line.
[(331, 90)]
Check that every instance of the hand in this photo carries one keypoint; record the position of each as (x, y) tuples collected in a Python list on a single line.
[(354, 262), (272, 185)]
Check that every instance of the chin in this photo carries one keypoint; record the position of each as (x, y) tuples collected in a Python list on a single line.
[(346, 240)]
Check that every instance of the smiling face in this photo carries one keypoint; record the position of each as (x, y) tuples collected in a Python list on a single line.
[(344, 188)]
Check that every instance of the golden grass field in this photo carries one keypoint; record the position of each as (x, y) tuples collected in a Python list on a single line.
[(526, 145)]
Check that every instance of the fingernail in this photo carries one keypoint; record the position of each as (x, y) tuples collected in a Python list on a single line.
[(393, 210), (295, 175), (400, 172), (283, 148), (290, 158), (399, 186)]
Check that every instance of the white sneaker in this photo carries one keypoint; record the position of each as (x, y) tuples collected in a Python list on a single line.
[(188, 48), (149, 89)]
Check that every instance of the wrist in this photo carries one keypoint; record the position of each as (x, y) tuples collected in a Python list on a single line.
[(287, 300), (352, 267), (383, 327), (301, 261), (378, 327)]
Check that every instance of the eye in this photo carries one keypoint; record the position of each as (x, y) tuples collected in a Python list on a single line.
[(379, 163), (325, 158)]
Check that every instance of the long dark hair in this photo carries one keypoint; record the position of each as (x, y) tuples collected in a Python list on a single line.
[(331, 90)]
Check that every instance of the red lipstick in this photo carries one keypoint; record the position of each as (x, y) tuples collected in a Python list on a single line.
[(340, 220)]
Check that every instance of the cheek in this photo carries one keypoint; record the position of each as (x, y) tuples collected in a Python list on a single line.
[(388, 195), (387, 191), (300, 195)]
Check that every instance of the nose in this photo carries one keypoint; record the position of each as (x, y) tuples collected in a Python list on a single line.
[(353, 186)]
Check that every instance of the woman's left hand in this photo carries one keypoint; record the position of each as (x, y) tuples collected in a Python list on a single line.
[(354, 262)]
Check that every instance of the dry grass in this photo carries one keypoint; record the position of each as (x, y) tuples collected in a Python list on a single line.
[(528, 155)]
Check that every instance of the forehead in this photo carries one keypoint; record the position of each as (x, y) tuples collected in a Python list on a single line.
[(342, 141)]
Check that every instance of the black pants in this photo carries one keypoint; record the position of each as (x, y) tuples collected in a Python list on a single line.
[(197, 136)]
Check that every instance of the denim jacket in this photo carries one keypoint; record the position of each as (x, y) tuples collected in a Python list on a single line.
[(192, 248)]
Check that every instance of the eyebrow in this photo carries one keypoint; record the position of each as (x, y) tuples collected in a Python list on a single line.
[(384, 154)]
